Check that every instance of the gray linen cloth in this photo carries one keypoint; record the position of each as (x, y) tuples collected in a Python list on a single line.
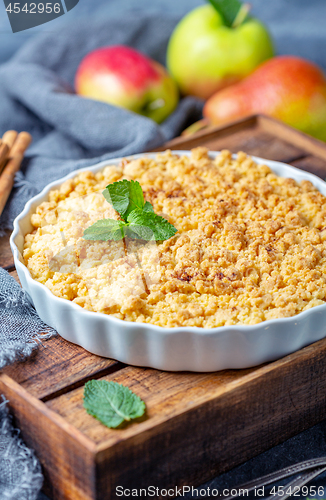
[(20, 325), (69, 132), (20, 471)]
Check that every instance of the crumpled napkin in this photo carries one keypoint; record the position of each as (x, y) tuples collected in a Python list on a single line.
[(20, 471), (21, 329)]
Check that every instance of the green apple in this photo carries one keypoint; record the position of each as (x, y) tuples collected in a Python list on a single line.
[(206, 52)]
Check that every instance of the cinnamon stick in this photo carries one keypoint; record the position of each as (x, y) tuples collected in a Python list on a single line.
[(9, 138), (21, 144), (13, 161), (4, 150), (7, 179)]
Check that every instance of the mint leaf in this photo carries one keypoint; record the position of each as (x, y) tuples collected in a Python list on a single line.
[(162, 229), (117, 194), (105, 229), (229, 10), (136, 232), (136, 197), (139, 220), (148, 207), (124, 196), (111, 403)]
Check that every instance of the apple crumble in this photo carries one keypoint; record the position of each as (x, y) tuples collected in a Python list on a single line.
[(250, 245)]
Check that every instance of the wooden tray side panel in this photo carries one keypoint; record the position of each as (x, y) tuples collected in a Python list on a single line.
[(259, 136), (308, 144), (254, 142), (248, 414), (42, 373), (236, 426), (66, 456), (316, 166)]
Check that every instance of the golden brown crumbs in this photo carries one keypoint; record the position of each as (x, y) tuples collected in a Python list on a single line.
[(250, 245)]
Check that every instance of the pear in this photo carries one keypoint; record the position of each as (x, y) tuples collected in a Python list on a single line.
[(289, 88)]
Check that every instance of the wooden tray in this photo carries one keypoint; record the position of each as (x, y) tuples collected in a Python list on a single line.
[(197, 425)]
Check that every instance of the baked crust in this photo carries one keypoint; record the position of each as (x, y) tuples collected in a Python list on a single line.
[(250, 244)]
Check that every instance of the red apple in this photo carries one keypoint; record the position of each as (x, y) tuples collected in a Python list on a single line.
[(124, 77)]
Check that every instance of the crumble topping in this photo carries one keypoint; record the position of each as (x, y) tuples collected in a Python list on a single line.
[(250, 244)]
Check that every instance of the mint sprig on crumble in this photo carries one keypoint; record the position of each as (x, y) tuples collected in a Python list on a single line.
[(139, 221)]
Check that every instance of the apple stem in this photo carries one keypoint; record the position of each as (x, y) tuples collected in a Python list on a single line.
[(241, 15)]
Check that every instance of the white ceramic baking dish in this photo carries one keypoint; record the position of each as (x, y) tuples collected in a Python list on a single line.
[(180, 348)]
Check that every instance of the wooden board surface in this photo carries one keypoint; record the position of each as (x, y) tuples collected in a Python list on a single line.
[(258, 135), (6, 258), (196, 425)]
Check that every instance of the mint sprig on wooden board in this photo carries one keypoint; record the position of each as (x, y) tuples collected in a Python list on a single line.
[(112, 403), (138, 218)]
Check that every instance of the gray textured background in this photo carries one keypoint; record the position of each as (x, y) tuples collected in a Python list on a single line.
[(298, 27)]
